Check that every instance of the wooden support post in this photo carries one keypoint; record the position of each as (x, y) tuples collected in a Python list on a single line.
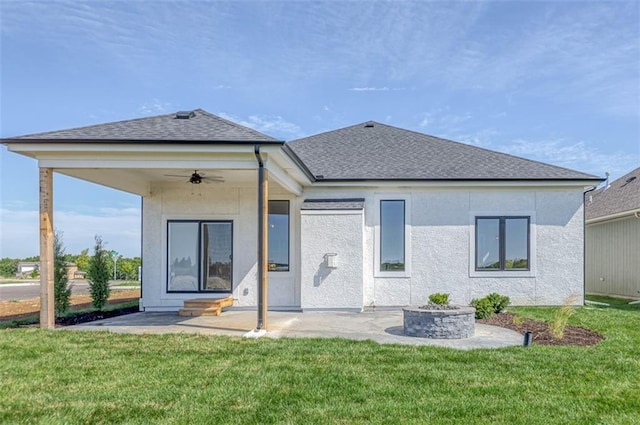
[(47, 316), (263, 241)]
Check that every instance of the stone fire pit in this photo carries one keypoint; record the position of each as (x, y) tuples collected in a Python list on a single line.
[(455, 322)]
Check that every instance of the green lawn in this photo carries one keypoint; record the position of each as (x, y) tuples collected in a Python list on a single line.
[(14, 281), (116, 283), (55, 377)]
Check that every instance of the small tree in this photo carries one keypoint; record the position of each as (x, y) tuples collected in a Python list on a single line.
[(8, 267), (61, 289), (98, 275), (83, 260)]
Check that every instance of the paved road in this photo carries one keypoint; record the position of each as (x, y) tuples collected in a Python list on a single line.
[(32, 290)]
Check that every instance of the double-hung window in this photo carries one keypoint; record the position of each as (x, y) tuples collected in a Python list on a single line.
[(502, 243)]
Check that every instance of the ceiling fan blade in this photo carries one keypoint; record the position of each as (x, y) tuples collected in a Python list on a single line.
[(176, 175)]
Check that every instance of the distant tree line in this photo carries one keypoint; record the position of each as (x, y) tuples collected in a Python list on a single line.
[(127, 268)]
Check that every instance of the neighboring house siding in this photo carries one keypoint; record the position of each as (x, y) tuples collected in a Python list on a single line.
[(613, 257)]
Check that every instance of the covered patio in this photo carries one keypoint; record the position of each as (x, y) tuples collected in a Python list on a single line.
[(205, 185)]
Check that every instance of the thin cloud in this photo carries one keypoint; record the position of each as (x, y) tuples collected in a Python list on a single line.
[(378, 88), (443, 122), (155, 107), (581, 155), (369, 89), (576, 155), (269, 124)]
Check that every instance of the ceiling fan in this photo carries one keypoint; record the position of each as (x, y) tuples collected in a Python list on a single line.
[(197, 178)]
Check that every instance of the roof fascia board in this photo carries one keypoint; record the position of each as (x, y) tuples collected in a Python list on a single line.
[(297, 170), (283, 178), (631, 213), (8, 141), (584, 184), (91, 147), (167, 163)]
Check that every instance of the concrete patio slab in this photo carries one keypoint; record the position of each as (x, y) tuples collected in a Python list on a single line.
[(384, 327)]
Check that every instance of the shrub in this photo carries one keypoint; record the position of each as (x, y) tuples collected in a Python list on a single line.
[(61, 290), (489, 305), (98, 275), (499, 302), (439, 298), (484, 308), (8, 267)]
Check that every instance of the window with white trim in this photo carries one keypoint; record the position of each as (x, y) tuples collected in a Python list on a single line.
[(502, 243), (392, 236)]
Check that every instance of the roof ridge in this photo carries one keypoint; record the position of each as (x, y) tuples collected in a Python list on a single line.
[(200, 126), (442, 139)]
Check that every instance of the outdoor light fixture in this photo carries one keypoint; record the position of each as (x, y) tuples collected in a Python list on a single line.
[(330, 260)]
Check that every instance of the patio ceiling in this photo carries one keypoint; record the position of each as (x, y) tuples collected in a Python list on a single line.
[(141, 181)]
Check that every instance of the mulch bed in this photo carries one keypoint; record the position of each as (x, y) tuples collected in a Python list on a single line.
[(573, 335), (75, 319)]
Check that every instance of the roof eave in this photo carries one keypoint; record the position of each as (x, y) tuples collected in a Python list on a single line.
[(142, 141), (634, 212), (589, 181)]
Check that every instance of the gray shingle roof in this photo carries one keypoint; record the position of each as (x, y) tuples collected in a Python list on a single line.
[(622, 195), (374, 151), (201, 127), (333, 204)]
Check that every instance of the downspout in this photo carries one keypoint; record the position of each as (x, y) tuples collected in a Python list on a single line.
[(584, 244), (261, 324)]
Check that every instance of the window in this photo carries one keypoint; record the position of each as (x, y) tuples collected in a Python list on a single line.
[(279, 236), (199, 256), (392, 235), (502, 243)]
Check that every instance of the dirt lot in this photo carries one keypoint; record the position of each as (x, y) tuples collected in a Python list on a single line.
[(11, 310)]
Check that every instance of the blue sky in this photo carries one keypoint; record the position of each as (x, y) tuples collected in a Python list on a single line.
[(557, 82)]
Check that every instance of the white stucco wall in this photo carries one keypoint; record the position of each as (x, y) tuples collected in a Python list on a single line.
[(332, 232), (442, 244), (210, 202)]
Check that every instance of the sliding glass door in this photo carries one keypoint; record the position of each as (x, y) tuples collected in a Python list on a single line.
[(200, 256), (217, 249)]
